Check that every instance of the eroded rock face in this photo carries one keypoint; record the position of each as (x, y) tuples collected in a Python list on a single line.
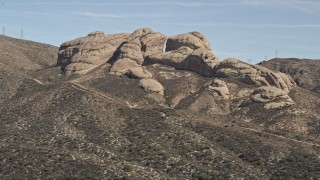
[(83, 54), (128, 54), (193, 40), (219, 89), (151, 85), (140, 43), (254, 74), (201, 60), (272, 97), (122, 66), (139, 72)]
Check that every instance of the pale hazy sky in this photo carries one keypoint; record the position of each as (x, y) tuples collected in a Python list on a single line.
[(245, 29)]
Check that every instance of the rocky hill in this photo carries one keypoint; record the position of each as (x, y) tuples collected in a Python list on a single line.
[(143, 105), (305, 72), (19, 59)]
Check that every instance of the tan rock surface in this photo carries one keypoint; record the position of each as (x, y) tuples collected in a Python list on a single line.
[(122, 66), (219, 88), (139, 72), (272, 97), (253, 74), (193, 40), (151, 85), (90, 51)]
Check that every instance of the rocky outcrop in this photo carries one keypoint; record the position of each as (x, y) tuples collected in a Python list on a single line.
[(254, 74), (272, 97), (151, 85), (190, 51), (219, 89), (139, 72), (193, 40), (81, 55), (141, 43), (305, 72), (122, 66)]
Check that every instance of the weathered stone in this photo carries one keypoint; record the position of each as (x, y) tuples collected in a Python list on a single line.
[(201, 61), (153, 43), (122, 66), (88, 52), (139, 72), (272, 97), (253, 74), (219, 88), (193, 40), (151, 85), (131, 51)]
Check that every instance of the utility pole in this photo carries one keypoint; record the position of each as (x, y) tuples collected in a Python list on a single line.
[(3, 30)]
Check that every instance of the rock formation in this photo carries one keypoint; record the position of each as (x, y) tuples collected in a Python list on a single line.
[(83, 54), (219, 88), (193, 40), (139, 72), (129, 54), (253, 74), (272, 97), (151, 85)]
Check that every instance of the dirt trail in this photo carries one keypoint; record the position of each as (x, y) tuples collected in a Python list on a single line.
[(97, 93), (280, 137)]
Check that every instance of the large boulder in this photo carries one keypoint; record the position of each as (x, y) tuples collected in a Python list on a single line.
[(153, 43), (272, 97), (139, 72), (140, 43), (193, 40), (219, 89), (122, 66), (201, 61), (151, 85), (83, 54), (253, 74)]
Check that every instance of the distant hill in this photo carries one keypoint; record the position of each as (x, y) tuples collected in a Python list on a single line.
[(19, 59), (305, 72)]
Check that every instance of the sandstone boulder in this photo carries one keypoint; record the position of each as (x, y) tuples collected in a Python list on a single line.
[(201, 61), (253, 74), (141, 43), (153, 43), (131, 51), (272, 97), (193, 40), (122, 66), (88, 52), (151, 85), (139, 72), (219, 88)]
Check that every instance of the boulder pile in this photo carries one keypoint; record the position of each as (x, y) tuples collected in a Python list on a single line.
[(130, 55)]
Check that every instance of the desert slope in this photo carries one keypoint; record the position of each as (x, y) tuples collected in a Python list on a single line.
[(19, 59), (140, 112)]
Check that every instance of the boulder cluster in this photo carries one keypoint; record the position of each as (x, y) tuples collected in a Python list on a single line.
[(129, 54)]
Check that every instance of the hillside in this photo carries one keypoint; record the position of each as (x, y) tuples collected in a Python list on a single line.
[(305, 72), (19, 59), (126, 109)]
